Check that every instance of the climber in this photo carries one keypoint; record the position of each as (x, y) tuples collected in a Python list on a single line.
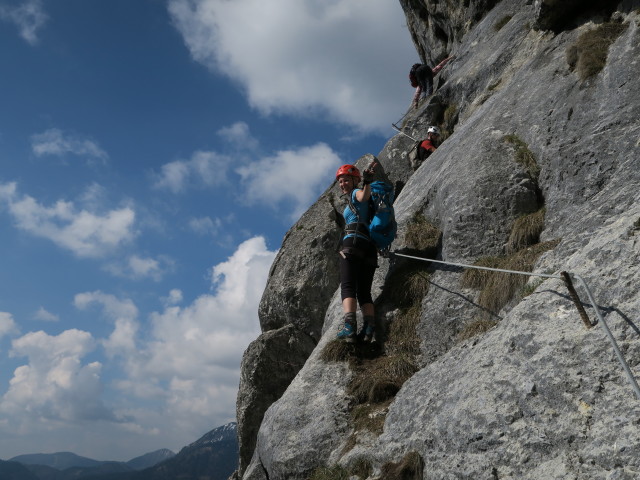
[(358, 254), (424, 148), (421, 77), (429, 144)]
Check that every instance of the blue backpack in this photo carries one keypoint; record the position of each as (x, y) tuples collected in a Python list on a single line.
[(382, 220), (382, 225)]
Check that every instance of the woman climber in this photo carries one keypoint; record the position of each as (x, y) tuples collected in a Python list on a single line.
[(358, 254)]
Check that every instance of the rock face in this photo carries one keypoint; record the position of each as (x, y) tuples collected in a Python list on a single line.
[(537, 395)]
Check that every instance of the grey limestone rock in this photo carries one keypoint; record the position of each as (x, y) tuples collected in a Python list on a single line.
[(268, 366)]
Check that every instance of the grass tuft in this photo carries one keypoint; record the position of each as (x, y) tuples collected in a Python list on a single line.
[(526, 231), (449, 120), (402, 332), (337, 351), (335, 472), (476, 327), (588, 55), (407, 284), (361, 468), (421, 235), (497, 288), (381, 378), (524, 156), (369, 417), (411, 467), (473, 278)]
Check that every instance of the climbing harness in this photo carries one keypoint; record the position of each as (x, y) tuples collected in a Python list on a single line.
[(563, 276)]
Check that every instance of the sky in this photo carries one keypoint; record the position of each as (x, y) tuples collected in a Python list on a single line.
[(153, 153)]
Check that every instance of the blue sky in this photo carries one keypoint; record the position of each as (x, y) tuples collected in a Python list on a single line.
[(153, 153)]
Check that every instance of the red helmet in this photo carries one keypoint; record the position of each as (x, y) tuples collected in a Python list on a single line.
[(348, 170)]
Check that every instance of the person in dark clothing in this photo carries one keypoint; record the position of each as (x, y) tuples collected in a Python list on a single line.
[(424, 76), (358, 254)]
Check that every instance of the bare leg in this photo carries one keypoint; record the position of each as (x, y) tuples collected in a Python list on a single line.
[(349, 305)]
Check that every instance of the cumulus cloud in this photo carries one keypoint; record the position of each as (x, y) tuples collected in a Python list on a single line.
[(29, 17), (197, 349), (288, 180), (55, 384), (85, 233), (184, 365), (46, 316), (348, 58), (291, 177), (202, 169), (123, 313), (55, 142), (7, 324)]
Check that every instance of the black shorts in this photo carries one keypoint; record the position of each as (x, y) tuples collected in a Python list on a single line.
[(358, 263)]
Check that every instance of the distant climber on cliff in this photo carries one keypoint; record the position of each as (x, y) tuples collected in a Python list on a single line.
[(421, 77), (358, 254), (422, 149)]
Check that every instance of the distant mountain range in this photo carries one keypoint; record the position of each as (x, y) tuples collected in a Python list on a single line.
[(212, 457)]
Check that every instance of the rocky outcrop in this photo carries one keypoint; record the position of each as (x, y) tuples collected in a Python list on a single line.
[(537, 395), (268, 366), (436, 27), (569, 14)]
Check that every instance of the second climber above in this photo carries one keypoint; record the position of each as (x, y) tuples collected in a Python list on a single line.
[(421, 77)]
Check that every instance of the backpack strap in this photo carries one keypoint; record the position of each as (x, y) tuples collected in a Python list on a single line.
[(360, 227)]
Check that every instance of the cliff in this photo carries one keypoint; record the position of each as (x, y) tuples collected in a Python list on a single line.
[(477, 375)]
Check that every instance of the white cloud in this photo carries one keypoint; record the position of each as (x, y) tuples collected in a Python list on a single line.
[(55, 142), (46, 316), (293, 177), (238, 134), (350, 58), (55, 385), (29, 17), (205, 225), (138, 268), (145, 267), (7, 324), (174, 297), (222, 229), (197, 349), (184, 366), (85, 233), (123, 313), (204, 168)]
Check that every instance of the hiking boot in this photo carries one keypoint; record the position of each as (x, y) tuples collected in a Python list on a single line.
[(368, 333), (348, 332), (368, 329)]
